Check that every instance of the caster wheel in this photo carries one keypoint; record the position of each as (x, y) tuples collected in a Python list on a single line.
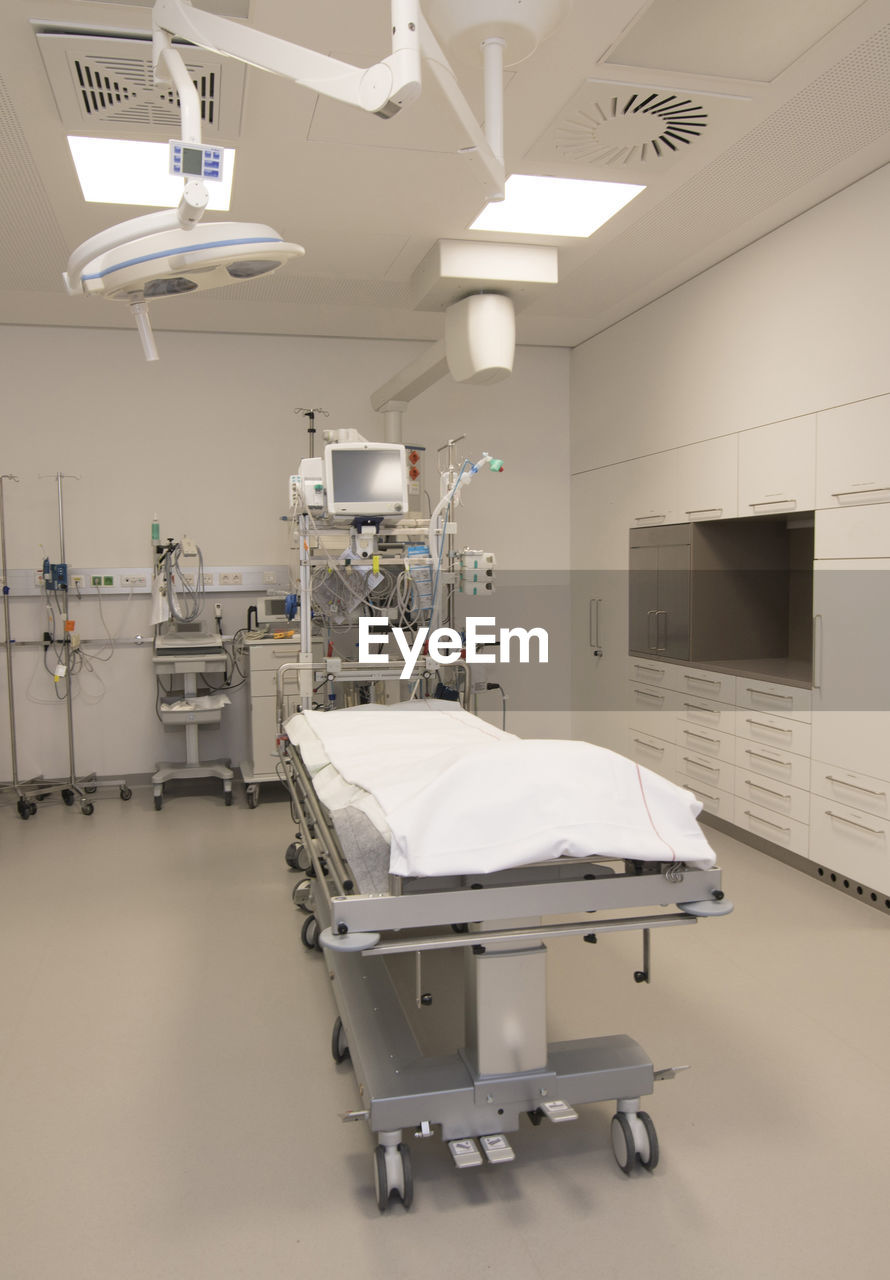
[(633, 1139), (623, 1143), (86, 809), (652, 1160), (68, 797), (535, 1116), (126, 793), (300, 895), (159, 801), (339, 1047), (228, 798), (309, 933), (296, 857), (24, 810), (253, 797), (32, 808), (90, 791), (393, 1176)]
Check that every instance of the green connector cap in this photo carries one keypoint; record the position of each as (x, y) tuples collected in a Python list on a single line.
[(496, 464), (96, 580)]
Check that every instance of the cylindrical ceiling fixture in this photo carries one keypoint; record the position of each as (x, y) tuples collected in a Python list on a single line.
[(462, 25)]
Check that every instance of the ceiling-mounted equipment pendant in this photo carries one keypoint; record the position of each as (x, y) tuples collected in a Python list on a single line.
[(463, 25)]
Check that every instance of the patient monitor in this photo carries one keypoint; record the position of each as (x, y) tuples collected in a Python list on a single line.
[(366, 479)]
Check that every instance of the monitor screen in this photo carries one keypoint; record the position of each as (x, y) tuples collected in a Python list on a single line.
[(367, 479)]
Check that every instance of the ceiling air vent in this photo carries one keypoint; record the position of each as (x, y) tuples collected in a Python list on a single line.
[(106, 84), (614, 127)]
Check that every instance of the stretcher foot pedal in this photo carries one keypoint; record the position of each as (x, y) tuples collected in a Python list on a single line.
[(465, 1153), (558, 1111), (497, 1149)]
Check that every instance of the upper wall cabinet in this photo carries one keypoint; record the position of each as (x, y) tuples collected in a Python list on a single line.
[(777, 467), (853, 455), (707, 480), (653, 489)]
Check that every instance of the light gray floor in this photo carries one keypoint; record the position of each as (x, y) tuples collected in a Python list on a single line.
[(170, 1108)]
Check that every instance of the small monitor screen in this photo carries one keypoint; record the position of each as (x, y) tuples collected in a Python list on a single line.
[(366, 477)]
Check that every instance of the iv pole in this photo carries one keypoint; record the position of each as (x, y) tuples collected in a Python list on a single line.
[(24, 804), (73, 786)]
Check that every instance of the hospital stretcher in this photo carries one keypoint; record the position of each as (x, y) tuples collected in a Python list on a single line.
[(416, 760)]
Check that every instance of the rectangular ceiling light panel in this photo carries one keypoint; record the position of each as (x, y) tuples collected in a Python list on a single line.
[(542, 206), (118, 171)]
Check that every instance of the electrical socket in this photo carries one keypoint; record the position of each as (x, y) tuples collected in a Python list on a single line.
[(188, 579), (38, 578), (77, 580), (230, 579), (269, 579), (96, 580), (132, 579)]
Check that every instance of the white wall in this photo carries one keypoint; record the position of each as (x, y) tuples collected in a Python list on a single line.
[(795, 323), (207, 438)]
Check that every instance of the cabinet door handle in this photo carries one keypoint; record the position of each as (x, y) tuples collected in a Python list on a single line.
[(767, 791), (661, 613), (755, 817), (772, 728), (765, 693), (817, 651), (775, 502), (700, 765), (841, 782), (839, 817), (593, 623), (661, 516), (703, 511), (846, 493), (702, 736), (649, 616), (758, 755)]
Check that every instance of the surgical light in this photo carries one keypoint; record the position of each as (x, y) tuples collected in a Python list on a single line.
[(555, 206)]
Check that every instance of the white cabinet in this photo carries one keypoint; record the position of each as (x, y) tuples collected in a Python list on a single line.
[(653, 490), (855, 845), (707, 479), (772, 826), (853, 454), (851, 677), (777, 467), (848, 533), (265, 657)]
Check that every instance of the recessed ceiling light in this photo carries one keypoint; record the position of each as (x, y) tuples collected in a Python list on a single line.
[(554, 206), (116, 171)]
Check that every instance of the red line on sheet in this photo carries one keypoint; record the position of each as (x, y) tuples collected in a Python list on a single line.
[(649, 815)]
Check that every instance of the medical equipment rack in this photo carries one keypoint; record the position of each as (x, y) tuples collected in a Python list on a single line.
[(473, 1093), (24, 792)]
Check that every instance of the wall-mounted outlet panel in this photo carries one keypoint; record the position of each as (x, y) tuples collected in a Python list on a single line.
[(230, 579), (133, 580)]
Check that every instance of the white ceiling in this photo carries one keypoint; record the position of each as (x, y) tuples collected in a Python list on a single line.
[(787, 102)]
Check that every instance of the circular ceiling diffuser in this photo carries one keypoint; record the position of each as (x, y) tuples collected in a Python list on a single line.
[(642, 126)]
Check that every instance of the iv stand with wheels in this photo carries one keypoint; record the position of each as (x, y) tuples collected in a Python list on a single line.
[(74, 787), (24, 799)]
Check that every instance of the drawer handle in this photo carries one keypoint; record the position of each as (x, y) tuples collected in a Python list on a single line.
[(698, 792), (655, 671), (690, 733), (867, 791), (772, 728), (703, 680), (758, 755), (700, 765), (644, 693), (767, 791), (755, 817), (765, 693), (650, 746), (693, 706), (838, 817)]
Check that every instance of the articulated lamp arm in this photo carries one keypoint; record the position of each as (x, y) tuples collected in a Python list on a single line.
[(382, 89)]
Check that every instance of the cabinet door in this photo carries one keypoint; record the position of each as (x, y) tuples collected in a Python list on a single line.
[(853, 533), (851, 676), (674, 596), (707, 480), (853, 454), (652, 489), (660, 591), (643, 600), (777, 467)]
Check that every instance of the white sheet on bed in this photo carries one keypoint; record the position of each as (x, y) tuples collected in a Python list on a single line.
[(461, 797)]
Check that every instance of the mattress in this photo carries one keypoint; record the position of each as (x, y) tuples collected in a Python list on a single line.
[(449, 794)]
